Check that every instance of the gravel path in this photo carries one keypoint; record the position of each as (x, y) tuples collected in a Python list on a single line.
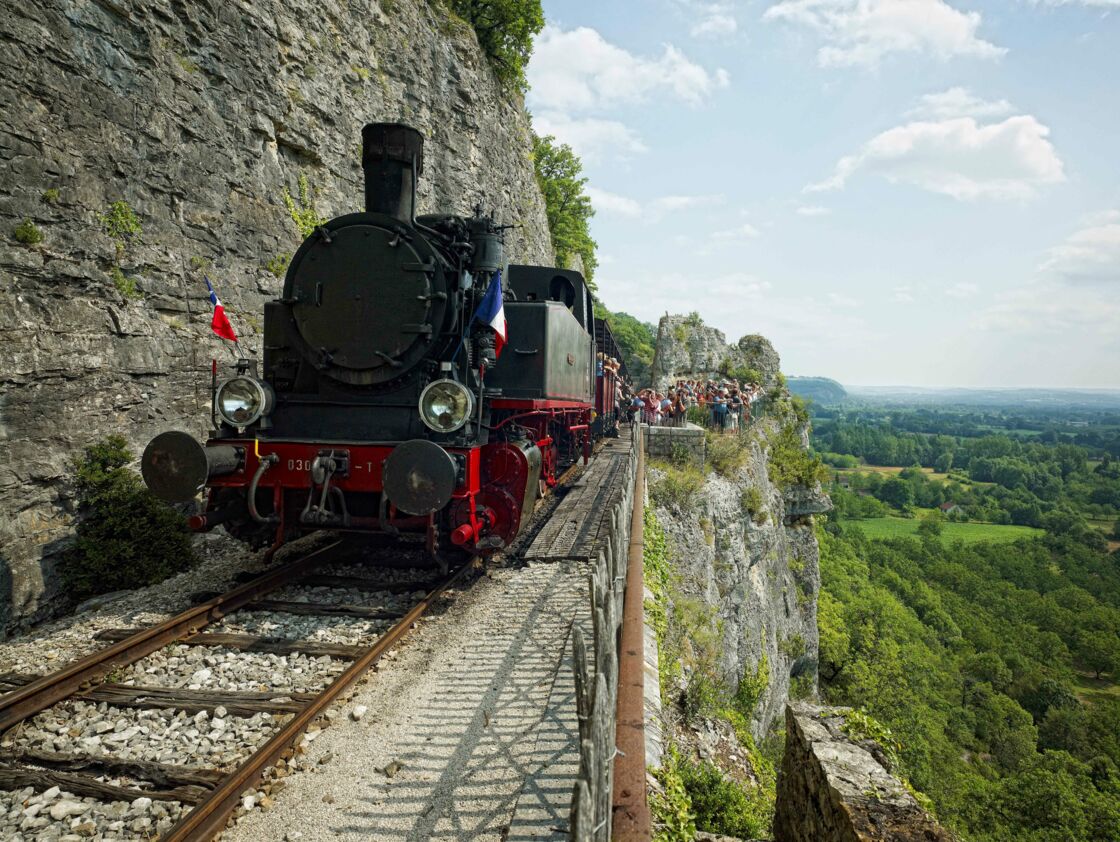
[(449, 727)]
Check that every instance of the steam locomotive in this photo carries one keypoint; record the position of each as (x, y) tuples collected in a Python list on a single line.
[(383, 406)]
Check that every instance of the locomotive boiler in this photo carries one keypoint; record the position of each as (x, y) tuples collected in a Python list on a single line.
[(382, 404)]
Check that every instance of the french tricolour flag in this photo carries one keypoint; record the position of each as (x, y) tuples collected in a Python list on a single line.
[(492, 311), (220, 323)]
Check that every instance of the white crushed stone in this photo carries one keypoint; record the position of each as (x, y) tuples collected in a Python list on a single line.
[(163, 735), (53, 815), (350, 631), (218, 668), (53, 644)]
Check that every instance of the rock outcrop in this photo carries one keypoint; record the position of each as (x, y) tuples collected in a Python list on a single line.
[(688, 348), (201, 117), (833, 786)]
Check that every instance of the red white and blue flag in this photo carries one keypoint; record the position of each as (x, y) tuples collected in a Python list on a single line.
[(220, 323), (492, 311)]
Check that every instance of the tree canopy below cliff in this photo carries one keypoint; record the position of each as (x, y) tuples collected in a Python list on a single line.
[(980, 659)]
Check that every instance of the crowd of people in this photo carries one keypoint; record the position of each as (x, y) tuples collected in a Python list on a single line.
[(726, 404)]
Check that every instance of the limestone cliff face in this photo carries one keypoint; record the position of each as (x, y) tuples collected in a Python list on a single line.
[(747, 550), (199, 115)]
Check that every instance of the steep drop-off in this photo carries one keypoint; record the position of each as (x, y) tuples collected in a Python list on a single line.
[(200, 116), (742, 546)]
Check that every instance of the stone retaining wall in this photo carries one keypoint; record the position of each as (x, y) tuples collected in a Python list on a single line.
[(671, 442)]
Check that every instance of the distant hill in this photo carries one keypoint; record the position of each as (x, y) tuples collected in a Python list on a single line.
[(821, 390)]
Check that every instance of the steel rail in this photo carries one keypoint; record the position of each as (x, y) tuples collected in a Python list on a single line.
[(630, 816), (210, 816), (81, 674)]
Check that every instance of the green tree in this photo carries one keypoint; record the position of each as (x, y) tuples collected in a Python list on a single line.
[(505, 30), (835, 644), (944, 463), (897, 492), (931, 525), (560, 177), (636, 340), (1099, 651)]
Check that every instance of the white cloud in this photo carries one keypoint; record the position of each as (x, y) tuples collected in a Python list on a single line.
[(862, 32), (579, 70), (959, 102), (710, 18), (651, 209), (593, 139), (714, 25), (813, 210), (607, 202), (1089, 255), (845, 301), (1047, 309), (959, 158), (671, 204), (1104, 4), (962, 289), (747, 304), (746, 231), (903, 294)]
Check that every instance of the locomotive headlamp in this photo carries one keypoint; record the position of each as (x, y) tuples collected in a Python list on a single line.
[(445, 405), (242, 400)]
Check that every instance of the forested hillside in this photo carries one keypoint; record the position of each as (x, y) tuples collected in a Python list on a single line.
[(992, 665)]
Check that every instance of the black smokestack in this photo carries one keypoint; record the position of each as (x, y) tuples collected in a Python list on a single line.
[(392, 158)]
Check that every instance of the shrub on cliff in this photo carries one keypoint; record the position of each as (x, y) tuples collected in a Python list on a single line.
[(726, 454), (676, 488), (722, 805), (790, 461), (125, 537)]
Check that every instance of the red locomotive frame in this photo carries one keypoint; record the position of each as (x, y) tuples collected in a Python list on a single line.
[(483, 505)]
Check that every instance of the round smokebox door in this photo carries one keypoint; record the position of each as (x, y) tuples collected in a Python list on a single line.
[(361, 299), (419, 477)]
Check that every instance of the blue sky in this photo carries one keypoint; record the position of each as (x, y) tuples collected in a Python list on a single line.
[(915, 192)]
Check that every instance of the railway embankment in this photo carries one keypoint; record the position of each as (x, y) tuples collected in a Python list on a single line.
[(154, 144)]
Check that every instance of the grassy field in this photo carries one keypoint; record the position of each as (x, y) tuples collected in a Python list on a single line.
[(890, 470), (1089, 689), (969, 533)]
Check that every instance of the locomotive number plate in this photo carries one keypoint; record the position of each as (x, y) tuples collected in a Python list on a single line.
[(299, 464)]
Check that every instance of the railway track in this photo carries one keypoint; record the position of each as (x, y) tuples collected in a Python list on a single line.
[(146, 681), (182, 719)]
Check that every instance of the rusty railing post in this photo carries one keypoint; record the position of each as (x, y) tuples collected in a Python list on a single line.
[(630, 819)]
